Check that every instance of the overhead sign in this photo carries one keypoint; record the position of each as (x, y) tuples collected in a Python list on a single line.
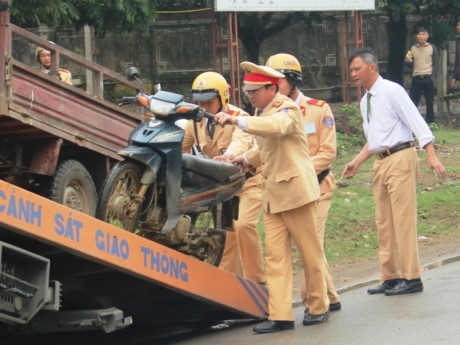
[(292, 5)]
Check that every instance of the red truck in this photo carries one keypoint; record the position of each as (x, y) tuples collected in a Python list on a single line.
[(57, 140)]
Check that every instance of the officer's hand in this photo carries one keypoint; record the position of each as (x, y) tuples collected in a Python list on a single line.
[(240, 161), (225, 119)]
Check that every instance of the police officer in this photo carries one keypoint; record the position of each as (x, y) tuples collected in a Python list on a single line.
[(319, 127), (44, 59), (290, 192), (243, 248)]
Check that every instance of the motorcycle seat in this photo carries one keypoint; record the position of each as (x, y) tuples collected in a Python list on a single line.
[(219, 171)]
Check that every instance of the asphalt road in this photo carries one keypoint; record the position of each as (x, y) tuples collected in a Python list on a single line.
[(430, 317)]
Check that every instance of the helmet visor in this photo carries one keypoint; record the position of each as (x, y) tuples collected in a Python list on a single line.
[(203, 96)]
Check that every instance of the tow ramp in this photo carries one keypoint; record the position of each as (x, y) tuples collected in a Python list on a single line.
[(102, 266)]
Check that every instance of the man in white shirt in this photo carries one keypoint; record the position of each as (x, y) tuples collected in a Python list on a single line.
[(389, 119)]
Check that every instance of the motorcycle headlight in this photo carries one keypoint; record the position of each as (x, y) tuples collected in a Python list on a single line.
[(161, 107)]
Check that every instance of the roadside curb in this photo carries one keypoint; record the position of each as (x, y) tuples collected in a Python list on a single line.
[(298, 303)]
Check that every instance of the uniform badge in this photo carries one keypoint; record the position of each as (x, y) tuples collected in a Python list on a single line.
[(328, 121)]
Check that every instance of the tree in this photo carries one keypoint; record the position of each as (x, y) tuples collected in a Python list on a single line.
[(256, 27), (119, 16), (397, 11)]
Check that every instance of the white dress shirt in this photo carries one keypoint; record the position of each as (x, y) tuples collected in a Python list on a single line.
[(393, 118)]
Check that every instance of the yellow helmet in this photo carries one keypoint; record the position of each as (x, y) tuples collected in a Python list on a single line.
[(209, 85), (288, 65)]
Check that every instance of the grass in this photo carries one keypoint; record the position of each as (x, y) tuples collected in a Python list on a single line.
[(350, 228)]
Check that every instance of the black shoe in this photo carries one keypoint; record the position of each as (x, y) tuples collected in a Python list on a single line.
[(271, 326), (335, 306), (332, 307), (405, 286), (386, 285), (310, 319)]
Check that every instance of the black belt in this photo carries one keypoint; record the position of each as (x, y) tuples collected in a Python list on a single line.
[(395, 149), (249, 175), (322, 175), (422, 76)]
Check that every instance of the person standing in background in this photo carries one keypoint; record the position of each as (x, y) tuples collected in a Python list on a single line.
[(44, 59), (456, 72), (424, 59), (319, 126)]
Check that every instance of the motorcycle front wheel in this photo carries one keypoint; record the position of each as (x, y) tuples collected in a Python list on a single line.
[(118, 201)]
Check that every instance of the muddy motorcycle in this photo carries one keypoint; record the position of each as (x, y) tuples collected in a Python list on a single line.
[(171, 198)]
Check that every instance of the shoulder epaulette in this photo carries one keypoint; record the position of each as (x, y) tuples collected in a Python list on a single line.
[(318, 102), (277, 103), (232, 112)]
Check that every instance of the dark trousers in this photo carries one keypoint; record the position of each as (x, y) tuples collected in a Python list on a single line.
[(423, 85)]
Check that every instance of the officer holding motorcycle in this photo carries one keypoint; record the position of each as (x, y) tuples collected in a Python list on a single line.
[(243, 249), (319, 126), (290, 193)]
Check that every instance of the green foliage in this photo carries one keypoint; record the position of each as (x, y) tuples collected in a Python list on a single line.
[(351, 113), (120, 16)]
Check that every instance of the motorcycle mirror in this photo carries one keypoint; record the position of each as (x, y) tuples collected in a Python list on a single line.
[(132, 73)]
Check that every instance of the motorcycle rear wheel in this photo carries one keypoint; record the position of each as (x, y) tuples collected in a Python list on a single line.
[(117, 203), (207, 243)]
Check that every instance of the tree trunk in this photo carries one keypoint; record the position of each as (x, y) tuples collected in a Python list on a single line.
[(397, 33), (251, 48)]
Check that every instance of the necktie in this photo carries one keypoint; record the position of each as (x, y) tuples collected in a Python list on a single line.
[(368, 106)]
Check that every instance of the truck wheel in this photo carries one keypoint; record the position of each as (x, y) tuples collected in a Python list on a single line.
[(73, 187)]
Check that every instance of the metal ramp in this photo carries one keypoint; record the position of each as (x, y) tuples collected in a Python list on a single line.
[(101, 266)]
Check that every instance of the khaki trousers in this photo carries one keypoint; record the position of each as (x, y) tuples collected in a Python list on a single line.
[(243, 253), (394, 187), (324, 204), (280, 229)]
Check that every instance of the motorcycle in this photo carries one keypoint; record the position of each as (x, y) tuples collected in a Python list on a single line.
[(162, 194)]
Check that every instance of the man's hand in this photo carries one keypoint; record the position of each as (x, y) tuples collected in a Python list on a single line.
[(225, 119), (435, 165), (350, 170), (433, 161)]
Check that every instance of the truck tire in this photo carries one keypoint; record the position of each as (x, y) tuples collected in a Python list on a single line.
[(73, 187)]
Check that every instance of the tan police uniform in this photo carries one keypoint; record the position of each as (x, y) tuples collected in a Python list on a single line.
[(289, 194), (243, 249), (319, 125), (64, 74)]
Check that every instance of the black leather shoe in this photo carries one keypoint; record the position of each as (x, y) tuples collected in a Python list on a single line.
[(271, 326), (310, 319), (405, 286), (335, 306), (386, 285), (332, 307)]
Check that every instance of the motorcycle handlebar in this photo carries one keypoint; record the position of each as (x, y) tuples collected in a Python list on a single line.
[(208, 115)]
